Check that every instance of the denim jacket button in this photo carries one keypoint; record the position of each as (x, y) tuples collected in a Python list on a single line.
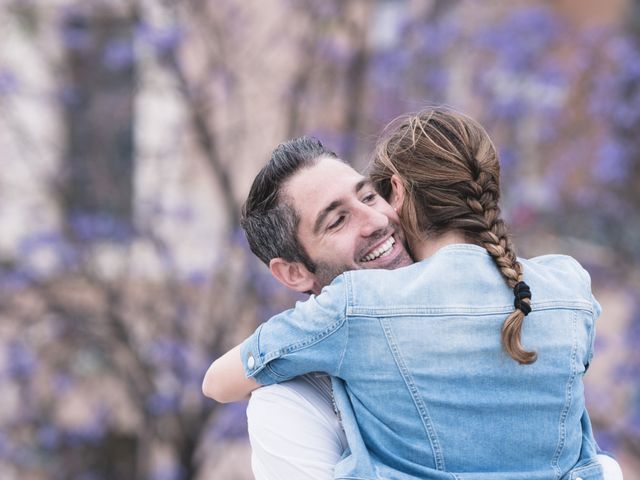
[(578, 478), (251, 362)]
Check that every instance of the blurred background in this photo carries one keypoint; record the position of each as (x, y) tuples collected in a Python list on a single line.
[(130, 132)]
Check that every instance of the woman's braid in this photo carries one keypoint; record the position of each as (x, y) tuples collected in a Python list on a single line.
[(493, 236)]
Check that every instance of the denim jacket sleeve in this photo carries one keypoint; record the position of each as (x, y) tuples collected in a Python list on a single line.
[(311, 337), (597, 309), (577, 275)]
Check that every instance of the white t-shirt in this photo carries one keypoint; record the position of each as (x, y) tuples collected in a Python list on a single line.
[(294, 431)]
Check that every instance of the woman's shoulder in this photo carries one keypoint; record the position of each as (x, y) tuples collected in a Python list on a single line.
[(564, 264), (558, 273)]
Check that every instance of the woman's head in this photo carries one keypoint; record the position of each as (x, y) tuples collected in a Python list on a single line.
[(449, 172), (448, 167)]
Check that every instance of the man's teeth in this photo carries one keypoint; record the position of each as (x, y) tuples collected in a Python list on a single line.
[(381, 251)]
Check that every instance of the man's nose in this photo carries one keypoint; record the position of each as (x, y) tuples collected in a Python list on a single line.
[(372, 221)]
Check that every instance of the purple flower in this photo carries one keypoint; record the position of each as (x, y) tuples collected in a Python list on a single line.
[(21, 362), (168, 352), (168, 472), (64, 256), (163, 40), (100, 226), (8, 82), (118, 54), (230, 422), (62, 383), (38, 240), (632, 425), (90, 433), (632, 337), (237, 238), (75, 31), (49, 437), (15, 280), (509, 109), (435, 39), (198, 278), (612, 164), (607, 440), (6, 448), (387, 64), (160, 403), (625, 372), (522, 38)]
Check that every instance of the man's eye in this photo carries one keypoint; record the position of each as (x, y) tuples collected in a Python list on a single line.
[(336, 223), (370, 197)]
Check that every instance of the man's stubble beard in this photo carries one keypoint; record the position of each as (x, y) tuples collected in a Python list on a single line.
[(325, 272)]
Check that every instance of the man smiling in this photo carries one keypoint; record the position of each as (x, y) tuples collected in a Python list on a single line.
[(341, 223), (310, 217)]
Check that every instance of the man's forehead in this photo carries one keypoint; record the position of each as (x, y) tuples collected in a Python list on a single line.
[(313, 189), (321, 176)]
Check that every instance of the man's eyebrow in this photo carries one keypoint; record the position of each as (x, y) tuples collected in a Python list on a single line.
[(323, 214), (365, 182), (335, 204)]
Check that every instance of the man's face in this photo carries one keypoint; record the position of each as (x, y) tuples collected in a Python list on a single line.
[(344, 223)]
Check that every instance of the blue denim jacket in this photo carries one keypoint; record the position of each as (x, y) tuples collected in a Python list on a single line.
[(421, 382)]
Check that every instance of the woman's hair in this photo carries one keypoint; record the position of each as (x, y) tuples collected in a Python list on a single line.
[(450, 170)]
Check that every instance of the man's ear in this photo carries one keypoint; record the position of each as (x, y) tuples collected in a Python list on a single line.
[(397, 193), (293, 275)]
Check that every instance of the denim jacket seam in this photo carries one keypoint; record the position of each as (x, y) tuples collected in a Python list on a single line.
[(587, 466), (420, 405), (568, 399), (581, 305), (397, 311), (345, 314), (592, 333), (272, 372), (349, 290), (256, 343)]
